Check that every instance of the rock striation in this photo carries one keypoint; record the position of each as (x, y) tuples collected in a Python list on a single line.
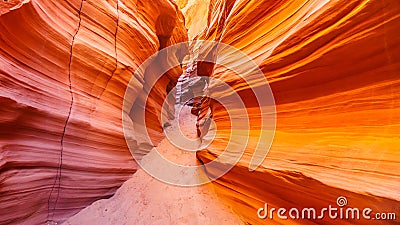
[(64, 68), (333, 67), (195, 12)]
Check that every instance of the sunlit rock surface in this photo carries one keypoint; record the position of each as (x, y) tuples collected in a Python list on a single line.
[(196, 14), (64, 68), (333, 67)]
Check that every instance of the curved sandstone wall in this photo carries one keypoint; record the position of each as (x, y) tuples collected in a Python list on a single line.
[(333, 67), (64, 68)]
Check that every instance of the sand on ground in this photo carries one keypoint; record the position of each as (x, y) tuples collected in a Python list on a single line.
[(146, 200)]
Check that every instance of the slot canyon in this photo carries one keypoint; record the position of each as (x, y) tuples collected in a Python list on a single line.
[(91, 91)]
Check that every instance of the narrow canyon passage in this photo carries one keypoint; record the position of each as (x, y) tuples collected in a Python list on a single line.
[(145, 200)]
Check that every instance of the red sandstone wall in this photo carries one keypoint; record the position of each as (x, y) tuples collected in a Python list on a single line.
[(64, 67), (334, 69)]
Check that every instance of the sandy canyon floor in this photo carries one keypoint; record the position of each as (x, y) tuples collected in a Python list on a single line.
[(146, 200)]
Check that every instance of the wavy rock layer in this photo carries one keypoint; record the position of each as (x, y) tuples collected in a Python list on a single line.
[(333, 67), (64, 68), (195, 12)]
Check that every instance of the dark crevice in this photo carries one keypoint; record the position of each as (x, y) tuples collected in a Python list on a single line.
[(165, 25), (57, 180), (115, 40), (208, 174), (116, 53)]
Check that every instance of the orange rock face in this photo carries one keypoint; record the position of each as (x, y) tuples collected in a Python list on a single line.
[(195, 12), (334, 69), (64, 68)]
